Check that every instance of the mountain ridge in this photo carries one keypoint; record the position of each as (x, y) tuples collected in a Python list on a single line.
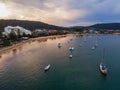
[(32, 25), (108, 26)]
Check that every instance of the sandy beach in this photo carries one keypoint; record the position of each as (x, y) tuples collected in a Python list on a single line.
[(19, 44)]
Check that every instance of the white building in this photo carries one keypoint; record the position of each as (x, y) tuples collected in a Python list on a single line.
[(16, 30), (38, 32)]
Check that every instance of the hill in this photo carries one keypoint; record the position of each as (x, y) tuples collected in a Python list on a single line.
[(105, 26), (30, 25)]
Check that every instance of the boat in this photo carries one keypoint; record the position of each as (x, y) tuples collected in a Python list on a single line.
[(93, 48), (96, 45), (47, 67), (80, 45), (70, 56), (59, 45), (71, 39), (102, 67), (71, 48)]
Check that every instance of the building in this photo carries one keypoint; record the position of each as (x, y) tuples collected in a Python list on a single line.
[(17, 30)]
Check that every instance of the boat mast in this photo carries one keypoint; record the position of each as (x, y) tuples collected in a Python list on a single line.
[(103, 54)]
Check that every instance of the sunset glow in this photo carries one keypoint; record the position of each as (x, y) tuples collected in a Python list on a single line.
[(3, 10), (62, 12)]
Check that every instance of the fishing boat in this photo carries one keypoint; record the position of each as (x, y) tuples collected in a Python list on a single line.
[(102, 67), (47, 67)]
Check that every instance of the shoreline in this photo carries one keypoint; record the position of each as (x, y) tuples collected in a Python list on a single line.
[(19, 44)]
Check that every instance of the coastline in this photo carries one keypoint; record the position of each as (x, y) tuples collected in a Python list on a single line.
[(19, 44)]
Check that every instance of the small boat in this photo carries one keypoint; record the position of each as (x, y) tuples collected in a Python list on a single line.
[(71, 39), (102, 67), (59, 45), (47, 67), (80, 45), (93, 48), (70, 56), (96, 45), (71, 48)]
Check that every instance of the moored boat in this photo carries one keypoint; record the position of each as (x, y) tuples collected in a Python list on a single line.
[(70, 56), (96, 45), (103, 69), (47, 67), (80, 45), (71, 48), (59, 45)]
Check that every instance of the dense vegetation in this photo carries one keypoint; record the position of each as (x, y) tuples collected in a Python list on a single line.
[(30, 25), (106, 26)]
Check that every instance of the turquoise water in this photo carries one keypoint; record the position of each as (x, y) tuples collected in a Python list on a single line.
[(23, 69)]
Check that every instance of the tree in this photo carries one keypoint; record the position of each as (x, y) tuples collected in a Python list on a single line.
[(24, 34), (13, 36), (0, 33), (6, 42), (19, 34)]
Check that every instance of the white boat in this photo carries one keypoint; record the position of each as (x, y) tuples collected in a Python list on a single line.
[(59, 45), (96, 43), (47, 67), (71, 48), (102, 67), (70, 56)]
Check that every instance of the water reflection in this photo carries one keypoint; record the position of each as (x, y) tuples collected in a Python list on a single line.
[(20, 48), (1, 56), (44, 40), (14, 50), (26, 62), (23, 66)]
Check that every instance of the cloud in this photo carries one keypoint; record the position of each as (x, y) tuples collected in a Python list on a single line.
[(56, 12), (64, 12)]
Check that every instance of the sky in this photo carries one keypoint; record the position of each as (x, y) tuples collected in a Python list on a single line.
[(62, 12)]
